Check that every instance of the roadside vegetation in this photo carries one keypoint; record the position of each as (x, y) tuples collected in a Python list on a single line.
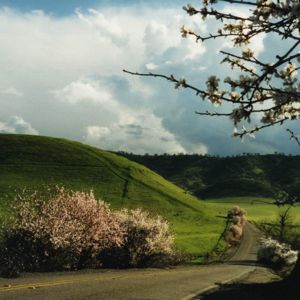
[(72, 230), (281, 226)]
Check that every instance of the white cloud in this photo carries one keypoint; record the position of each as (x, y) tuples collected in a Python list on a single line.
[(144, 133), (158, 38), (95, 133), (83, 90), (17, 124), (107, 26), (12, 92), (151, 66)]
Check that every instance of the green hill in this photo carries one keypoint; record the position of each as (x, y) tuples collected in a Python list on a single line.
[(35, 163), (211, 176)]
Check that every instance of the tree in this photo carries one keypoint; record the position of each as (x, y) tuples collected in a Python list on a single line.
[(265, 89)]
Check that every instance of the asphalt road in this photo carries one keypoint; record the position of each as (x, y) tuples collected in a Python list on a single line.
[(178, 283)]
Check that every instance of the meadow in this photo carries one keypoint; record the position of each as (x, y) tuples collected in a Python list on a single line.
[(257, 211)]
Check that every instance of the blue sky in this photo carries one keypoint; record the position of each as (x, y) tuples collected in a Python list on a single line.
[(61, 75), (61, 7), (66, 7)]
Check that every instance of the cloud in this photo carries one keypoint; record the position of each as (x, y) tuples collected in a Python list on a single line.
[(126, 128), (83, 90), (95, 133), (107, 27), (151, 66), (68, 74), (143, 134), (11, 91), (17, 124)]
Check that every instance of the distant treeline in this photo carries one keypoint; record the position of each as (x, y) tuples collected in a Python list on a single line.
[(208, 176)]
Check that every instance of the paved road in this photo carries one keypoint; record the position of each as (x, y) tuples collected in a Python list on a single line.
[(178, 283)]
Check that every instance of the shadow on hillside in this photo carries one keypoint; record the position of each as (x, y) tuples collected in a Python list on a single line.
[(267, 291)]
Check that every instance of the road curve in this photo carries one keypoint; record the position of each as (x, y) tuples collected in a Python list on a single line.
[(177, 283)]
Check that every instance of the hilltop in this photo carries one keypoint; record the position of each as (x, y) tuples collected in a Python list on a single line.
[(37, 163), (213, 176)]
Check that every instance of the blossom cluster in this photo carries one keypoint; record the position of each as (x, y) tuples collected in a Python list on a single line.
[(237, 216), (73, 220), (146, 234), (74, 230), (275, 254)]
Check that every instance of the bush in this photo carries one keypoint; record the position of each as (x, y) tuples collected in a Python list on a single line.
[(148, 241), (275, 254), (74, 220), (237, 217), (17, 253), (72, 230), (66, 232)]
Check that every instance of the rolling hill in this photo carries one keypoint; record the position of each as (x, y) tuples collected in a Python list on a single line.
[(212, 176), (37, 163)]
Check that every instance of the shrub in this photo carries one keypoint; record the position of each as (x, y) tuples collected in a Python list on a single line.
[(73, 230), (236, 231), (238, 215), (68, 231), (275, 254), (74, 220), (148, 241), (237, 218)]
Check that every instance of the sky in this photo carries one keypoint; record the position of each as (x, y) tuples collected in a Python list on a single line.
[(61, 75)]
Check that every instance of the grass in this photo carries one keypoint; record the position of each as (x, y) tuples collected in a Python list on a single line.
[(256, 210), (213, 176), (266, 216), (37, 163)]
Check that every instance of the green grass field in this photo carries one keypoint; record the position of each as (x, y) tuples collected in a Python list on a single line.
[(256, 210), (36, 163), (266, 216)]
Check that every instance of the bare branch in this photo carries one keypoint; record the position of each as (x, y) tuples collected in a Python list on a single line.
[(293, 136)]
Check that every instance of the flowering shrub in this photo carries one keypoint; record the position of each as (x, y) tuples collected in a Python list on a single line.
[(236, 231), (65, 232), (147, 239), (146, 235), (237, 217), (73, 230), (73, 220), (275, 254)]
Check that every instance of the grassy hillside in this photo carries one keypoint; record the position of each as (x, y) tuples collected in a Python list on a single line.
[(210, 177), (35, 163)]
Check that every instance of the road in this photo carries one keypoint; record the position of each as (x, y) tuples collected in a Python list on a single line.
[(177, 283)]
